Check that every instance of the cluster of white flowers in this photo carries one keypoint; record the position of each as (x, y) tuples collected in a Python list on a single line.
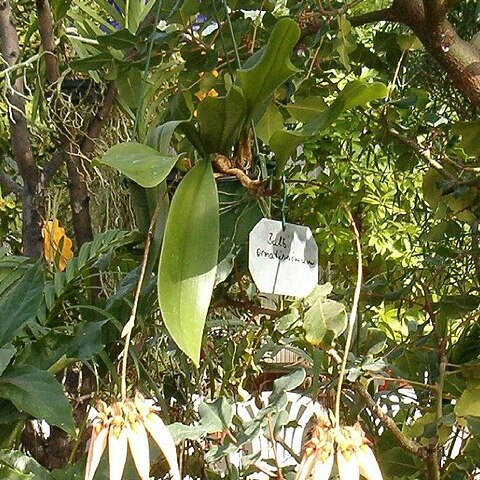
[(346, 445), (128, 423)]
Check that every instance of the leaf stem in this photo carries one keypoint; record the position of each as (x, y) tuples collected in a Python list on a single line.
[(353, 312), (127, 330)]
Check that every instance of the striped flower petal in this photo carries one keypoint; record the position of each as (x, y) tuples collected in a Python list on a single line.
[(138, 442), (98, 442), (164, 440), (117, 451), (368, 463)]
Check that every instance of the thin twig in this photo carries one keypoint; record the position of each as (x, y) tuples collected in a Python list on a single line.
[(10, 184), (353, 312), (127, 329), (274, 447)]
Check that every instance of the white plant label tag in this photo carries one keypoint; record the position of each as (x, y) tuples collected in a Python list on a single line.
[(281, 261)]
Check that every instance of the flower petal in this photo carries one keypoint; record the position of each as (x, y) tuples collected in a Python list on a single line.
[(164, 440), (138, 441), (368, 463), (305, 467), (98, 442), (117, 452), (348, 469), (322, 469)]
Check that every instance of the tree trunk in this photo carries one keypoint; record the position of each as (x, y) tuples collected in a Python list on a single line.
[(32, 193)]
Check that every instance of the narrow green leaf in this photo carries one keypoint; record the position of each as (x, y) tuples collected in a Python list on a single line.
[(189, 257), (37, 393), (273, 68), (221, 120), (324, 322), (21, 304), (142, 164), (161, 136)]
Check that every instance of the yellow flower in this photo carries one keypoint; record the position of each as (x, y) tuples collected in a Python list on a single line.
[(127, 424), (57, 247), (211, 93)]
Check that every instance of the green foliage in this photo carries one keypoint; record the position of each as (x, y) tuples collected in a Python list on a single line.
[(38, 393), (186, 275), (140, 163), (16, 308), (272, 69)]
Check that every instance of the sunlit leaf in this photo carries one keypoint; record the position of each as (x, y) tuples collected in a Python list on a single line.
[(324, 321)]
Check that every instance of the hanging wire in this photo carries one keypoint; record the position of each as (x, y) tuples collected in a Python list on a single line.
[(147, 68), (284, 200)]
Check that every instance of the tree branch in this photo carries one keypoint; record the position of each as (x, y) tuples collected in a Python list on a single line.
[(384, 15), (32, 209), (96, 124), (45, 27), (408, 444), (10, 184)]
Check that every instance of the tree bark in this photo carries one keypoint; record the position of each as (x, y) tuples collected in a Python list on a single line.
[(32, 192), (459, 59)]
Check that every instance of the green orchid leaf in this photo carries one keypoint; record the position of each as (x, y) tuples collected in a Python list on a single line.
[(140, 163), (221, 119), (37, 393), (273, 67), (189, 257)]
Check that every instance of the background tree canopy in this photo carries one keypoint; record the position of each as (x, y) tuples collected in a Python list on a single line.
[(142, 140)]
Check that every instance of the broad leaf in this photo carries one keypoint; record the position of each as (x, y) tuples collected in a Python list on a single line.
[(273, 68), (221, 120), (189, 257), (216, 416), (354, 94), (24, 463), (270, 123), (469, 402), (324, 321), (37, 393), (21, 304), (306, 108), (470, 132), (161, 136), (142, 164)]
